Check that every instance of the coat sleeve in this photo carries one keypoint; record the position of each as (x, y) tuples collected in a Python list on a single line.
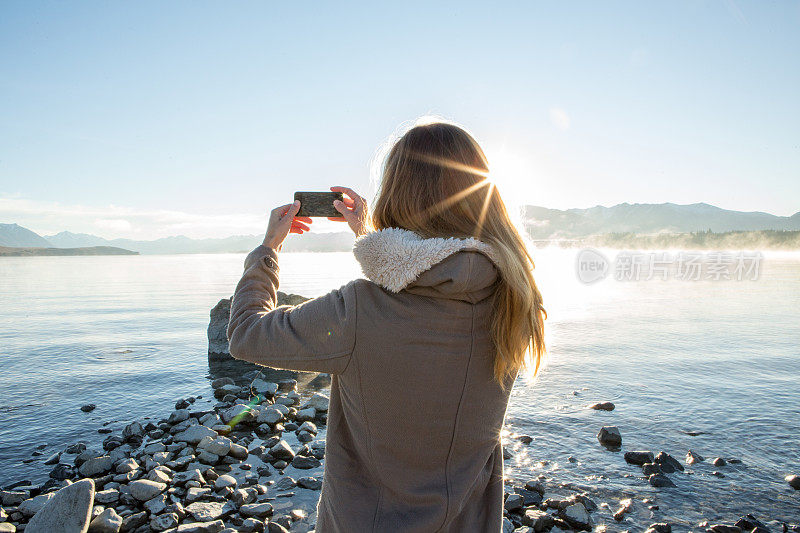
[(318, 335)]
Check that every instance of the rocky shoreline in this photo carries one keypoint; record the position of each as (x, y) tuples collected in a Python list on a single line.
[(254, 461)]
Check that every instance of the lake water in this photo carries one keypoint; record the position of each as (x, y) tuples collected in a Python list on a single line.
[(714, 357)]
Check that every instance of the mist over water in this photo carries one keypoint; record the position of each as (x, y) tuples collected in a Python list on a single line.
[(718, 358)]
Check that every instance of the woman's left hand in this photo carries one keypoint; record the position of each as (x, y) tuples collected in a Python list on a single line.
[(282, 222)]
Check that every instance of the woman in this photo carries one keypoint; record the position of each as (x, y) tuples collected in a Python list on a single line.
[(423, 353)]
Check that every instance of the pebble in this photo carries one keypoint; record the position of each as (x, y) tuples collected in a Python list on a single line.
[(514, 502), (718, 461), (668, 463), (144, 489), (256, 509), (793, 481), (660, 480), (88, 408), (205, 511)]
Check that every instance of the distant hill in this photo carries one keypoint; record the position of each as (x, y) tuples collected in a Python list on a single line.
[(91, 250), (15, 235), (310, 242), (544, 223)]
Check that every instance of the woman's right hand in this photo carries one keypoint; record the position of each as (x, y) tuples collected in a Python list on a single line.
[(354, 210)]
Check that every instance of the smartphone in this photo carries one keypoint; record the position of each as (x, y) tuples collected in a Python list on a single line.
[(318, 204)]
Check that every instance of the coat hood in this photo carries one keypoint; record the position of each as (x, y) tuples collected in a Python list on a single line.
[(398, 259)]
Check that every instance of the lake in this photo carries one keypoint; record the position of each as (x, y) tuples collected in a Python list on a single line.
[(711, 365)]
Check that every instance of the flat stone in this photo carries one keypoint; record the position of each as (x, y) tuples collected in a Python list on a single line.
[(195, 434), (270, 416), (106, 522), (302, 462), (107, 496), (308, 413), (310, 483), (206, 511), (216, 445), (12, 498), (128, 465), (131, 522), (639, 458), (538, 520), (256, 509), (266, 388), (33, 505), (156, 504), (202, 527), (96, 466), (144, 489), (69, 509), (164, 522)]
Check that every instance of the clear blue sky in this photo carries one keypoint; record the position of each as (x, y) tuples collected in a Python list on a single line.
[(147, 119)]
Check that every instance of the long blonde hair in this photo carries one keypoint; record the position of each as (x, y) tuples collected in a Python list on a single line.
[(435, 182)]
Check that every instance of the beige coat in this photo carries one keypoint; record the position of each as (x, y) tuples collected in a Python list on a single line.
[(414, 421)]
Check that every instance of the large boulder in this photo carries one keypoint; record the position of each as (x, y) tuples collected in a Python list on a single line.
[(70, 509), (218, 325)]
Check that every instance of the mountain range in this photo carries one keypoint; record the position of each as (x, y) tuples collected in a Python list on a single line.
[(541, 223)]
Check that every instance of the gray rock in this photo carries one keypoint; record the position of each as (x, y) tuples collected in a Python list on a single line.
[(88, 408), (602, 406), (310, 483), (53, 459), (164, 522), (692, 458), (318, 401), (793, 481), (577, 516), (639, 457), (69, 509), (218, 446), (270, 416), (238, 451), (206, 511), (133, 521), (285, 483), (128, 465), (225, 481), (609, 436), (256, 509), (189, 475), (514, 502), (266, 388), (7, 527), (156, 505), (718, 461), (96, 466), (538, 520), (724, 528), (282, 450), (33, 505), (660, 480), (104, 497), (134, 429), (302, 462), (651, 468), (201, 527), (12, 498), (195, 434), (144, 489), (660, 527), (309, 413), (320, 381), (668, 463), (106, 522), (179, 415)]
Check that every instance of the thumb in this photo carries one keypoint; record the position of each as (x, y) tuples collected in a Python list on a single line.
[(340, 207), (293, 209)]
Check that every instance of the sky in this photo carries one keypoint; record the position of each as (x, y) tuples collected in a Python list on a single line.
[(149, 119)]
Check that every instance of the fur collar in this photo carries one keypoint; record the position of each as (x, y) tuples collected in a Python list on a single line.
[(394, 257)]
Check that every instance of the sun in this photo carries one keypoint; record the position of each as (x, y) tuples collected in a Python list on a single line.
[(512, 173)]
